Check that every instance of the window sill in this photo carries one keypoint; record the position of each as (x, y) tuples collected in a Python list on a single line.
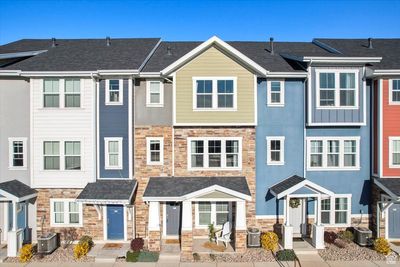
[(336, 108), (391, 166), (394, 103), (62, 108), (155, 163), (148, 105), (215, 169), (113, 168), (333, 169), (275, 163), (114, 103), (272, 105), (214, 109), (17, 168), (65, 225)]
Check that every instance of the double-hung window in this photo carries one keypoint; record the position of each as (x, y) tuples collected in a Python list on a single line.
[(65, 213), (216, 213), (276, 93), (114, 92), (214, 153), (341, 210), (336, 210), (204, 211), (325, 211), (113, 153), (72, 155), (51, 152), (275, 150), (154, 94), (337, 88), (394, 152), (155, 147), (51, 93), (72, 94), (214, 93), (17, 153), (333, 153), (394, 92)]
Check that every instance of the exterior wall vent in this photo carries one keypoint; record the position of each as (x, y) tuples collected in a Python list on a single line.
[(108, 40), (53, 42), (370, 43), (271, 44)]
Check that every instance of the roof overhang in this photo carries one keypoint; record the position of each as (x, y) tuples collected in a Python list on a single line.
[(392, 72), (221, 44), (305, 183), (286, 75), (21, 54), (386, 188), (16, 191), (348, 60)]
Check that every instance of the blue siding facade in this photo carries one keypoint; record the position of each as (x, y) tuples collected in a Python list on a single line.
[(114, 122)]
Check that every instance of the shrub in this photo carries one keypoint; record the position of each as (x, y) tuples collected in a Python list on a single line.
[(211, 232), (88, 239), (132, 256), (196, 257), (148, 256), (137, 244), (346, 236), (381, 245), (286, 255), (26, 253), (330, 237), (269, 241), (81, 250), (69, 236), (340, 243)]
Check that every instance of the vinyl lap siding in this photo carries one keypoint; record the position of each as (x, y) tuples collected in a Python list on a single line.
[(213, 62)]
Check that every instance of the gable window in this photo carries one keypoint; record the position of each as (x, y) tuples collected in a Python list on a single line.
[(114, 92), (394, 92), (72, 155), (51, 93), (51, 152), (113, 153), (276, 93), (214, 153), (336, 210), (337, 88), (154, 94), (217, 93), (65, 212), (216, 213), (72, 94), (333, 153), (17, 153), (275, 150), (155, 147), (394, 152)]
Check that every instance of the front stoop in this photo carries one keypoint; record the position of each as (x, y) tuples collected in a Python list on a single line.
[(304, 248)]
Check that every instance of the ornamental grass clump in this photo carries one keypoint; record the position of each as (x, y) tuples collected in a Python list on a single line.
[(381, 245), (26, 253), (269, 241)]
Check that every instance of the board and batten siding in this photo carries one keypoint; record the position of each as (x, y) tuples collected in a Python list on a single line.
[(336, 115), (214, 63), (63, 124)]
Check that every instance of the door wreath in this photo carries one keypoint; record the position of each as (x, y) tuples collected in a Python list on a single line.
[(294, 203)]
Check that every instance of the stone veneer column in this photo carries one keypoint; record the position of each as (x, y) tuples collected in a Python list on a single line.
[(187, 230), (241, 230)]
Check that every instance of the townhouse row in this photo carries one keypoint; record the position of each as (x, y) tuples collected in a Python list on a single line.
[(124, 138)]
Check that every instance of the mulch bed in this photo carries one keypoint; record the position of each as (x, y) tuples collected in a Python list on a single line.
[(251, 255), (59, 255)]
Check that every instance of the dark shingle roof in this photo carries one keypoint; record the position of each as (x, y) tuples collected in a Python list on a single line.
[(17, 188), (111, 189), (180, 186), (82, 54), (286, 184), (392, 184)]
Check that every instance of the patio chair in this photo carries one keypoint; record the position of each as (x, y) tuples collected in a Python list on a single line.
[(225, 235)]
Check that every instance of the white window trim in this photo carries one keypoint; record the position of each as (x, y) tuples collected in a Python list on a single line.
[(161, 140), (62, 154), (205, 154), (11, 140), (214, 93), (213, 214), (391, 139), (120, 155), (337, 88), (282, 92), (333, 210), (148, 103), (81, 83), (61, 94), (341, 140), (391, 102), (66, 213), (282, 151), (121, 93)]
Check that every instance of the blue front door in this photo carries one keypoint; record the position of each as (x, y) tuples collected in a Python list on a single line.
[(115, 222), (394, 221)]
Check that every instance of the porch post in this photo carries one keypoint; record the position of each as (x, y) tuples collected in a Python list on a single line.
[(154, 242), (14, 224), (287, 200), (318, 217), (241, 227), (186, 231), (13, 245), (287, 228), (318, 228)]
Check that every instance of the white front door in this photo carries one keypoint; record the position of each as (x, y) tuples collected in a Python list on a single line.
[(297, 218)]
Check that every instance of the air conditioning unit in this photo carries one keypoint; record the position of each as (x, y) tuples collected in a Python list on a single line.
[(47, 243), (362, 236), (253, 238)]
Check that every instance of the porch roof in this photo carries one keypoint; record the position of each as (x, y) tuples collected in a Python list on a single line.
[(15, 190), (293, 184), (390, 185), (108, 191), (180, 188)]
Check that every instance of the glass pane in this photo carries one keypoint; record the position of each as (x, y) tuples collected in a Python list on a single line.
[(275, 97), (58, 206), (51, 86), (59, 217), (197, 161), (275, 156), (155, 87), (113, 160), (396, 146), (333, 146), (327, 80), (340, 217), (396, 158), (73, 207), (204, 218), (214, 161), (114, 85), (327, 97), (154, 98), (232, 160), (72, 101), (72, 163), (275, 144), (113, 146), (204, 86), (51, 163), (204, 101), (222, 218), (197, 146), (347, 97), (333, 160), (18, 161), (72, 86), (51, 101), (114, 96), (349, 146), (214, 146), (74, 218), (325, 219), (155, 156), (275, 86), (349, 160), (225, 101), (347, 80), (325, 204), (341, 203), (222, 206), (316, 160), (154, 145), (205, 206), (232, 146), (316, 147)]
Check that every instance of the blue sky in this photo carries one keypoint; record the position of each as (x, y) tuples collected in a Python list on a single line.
[(198, 20)]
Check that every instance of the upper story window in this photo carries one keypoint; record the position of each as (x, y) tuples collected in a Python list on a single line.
[(394, 152), (337, 88), (276, 93), (72, 155), (114, 92), (17, 153), (155, 147), (68, 152), (51, 93), (72, 94), (51, 154), (214, 153), (214, 93), (394, 92), (333, 153), (276, 150), (154, 94), (113, 153)]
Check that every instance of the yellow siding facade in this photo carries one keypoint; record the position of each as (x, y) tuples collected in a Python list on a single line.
[(214, 63)]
